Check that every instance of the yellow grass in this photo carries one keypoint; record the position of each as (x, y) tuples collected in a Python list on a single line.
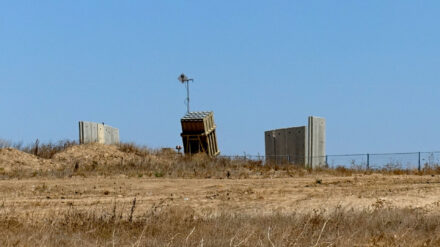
[(95, 195), (180, 227)]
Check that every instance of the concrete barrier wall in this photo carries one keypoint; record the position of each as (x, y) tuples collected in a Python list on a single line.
[(316, 142), (304, 145), (286, 145), (90, 132), (296, 144)]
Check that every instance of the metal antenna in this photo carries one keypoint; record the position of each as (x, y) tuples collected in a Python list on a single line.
[(183, 79)]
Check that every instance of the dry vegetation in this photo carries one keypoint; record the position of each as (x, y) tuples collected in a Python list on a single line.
[(81, 195), (179, 227), (67, 159)]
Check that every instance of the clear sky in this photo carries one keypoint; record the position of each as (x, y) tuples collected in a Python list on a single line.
[(371, 68)]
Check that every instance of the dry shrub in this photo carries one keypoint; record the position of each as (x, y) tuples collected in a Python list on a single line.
[(48, 150), (340, 170), (135, 161), (182, 226), (430, 170), (134, 149), (4, 144)]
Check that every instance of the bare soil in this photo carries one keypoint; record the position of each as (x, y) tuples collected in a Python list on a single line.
[(12, 159), (210, 197), (104, 196)]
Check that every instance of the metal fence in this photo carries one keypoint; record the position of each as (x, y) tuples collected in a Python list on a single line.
[(414, 160)]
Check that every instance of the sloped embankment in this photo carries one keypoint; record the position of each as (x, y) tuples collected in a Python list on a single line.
[(92, 154), (109, 159), (15, 160)]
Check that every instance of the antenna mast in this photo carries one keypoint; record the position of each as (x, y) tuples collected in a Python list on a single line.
[(184, 79)]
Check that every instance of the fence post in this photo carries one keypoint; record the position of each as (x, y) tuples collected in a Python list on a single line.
[(420, 167), (326, 160), (368, 161)]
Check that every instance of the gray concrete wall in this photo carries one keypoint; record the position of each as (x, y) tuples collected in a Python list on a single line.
[(296, 144), (280, 143), (90, 132), (286, 145), (304, 145), (316, 142), (269, 143)]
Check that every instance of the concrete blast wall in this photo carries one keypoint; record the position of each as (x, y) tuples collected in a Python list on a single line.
[(304, 145), (286, 145), (316, 142), (90, 132)]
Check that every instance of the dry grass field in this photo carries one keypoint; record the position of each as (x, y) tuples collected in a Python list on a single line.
[(96, 195)]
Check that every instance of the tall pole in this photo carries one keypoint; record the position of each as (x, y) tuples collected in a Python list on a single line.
[(187, 96), (368, 161), (420, 164), (183, 79)]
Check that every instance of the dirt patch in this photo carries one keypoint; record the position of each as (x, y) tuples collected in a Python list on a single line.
[(92, 153), (368, 210), (96, 153), (12, 159)]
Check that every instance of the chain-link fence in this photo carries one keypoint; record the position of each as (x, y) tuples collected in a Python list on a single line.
[(392, 161)]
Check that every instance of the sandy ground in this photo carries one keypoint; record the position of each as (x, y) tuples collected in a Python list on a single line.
[(207, 197)]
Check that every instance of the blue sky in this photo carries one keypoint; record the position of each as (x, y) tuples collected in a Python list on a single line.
[(371, 68)]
